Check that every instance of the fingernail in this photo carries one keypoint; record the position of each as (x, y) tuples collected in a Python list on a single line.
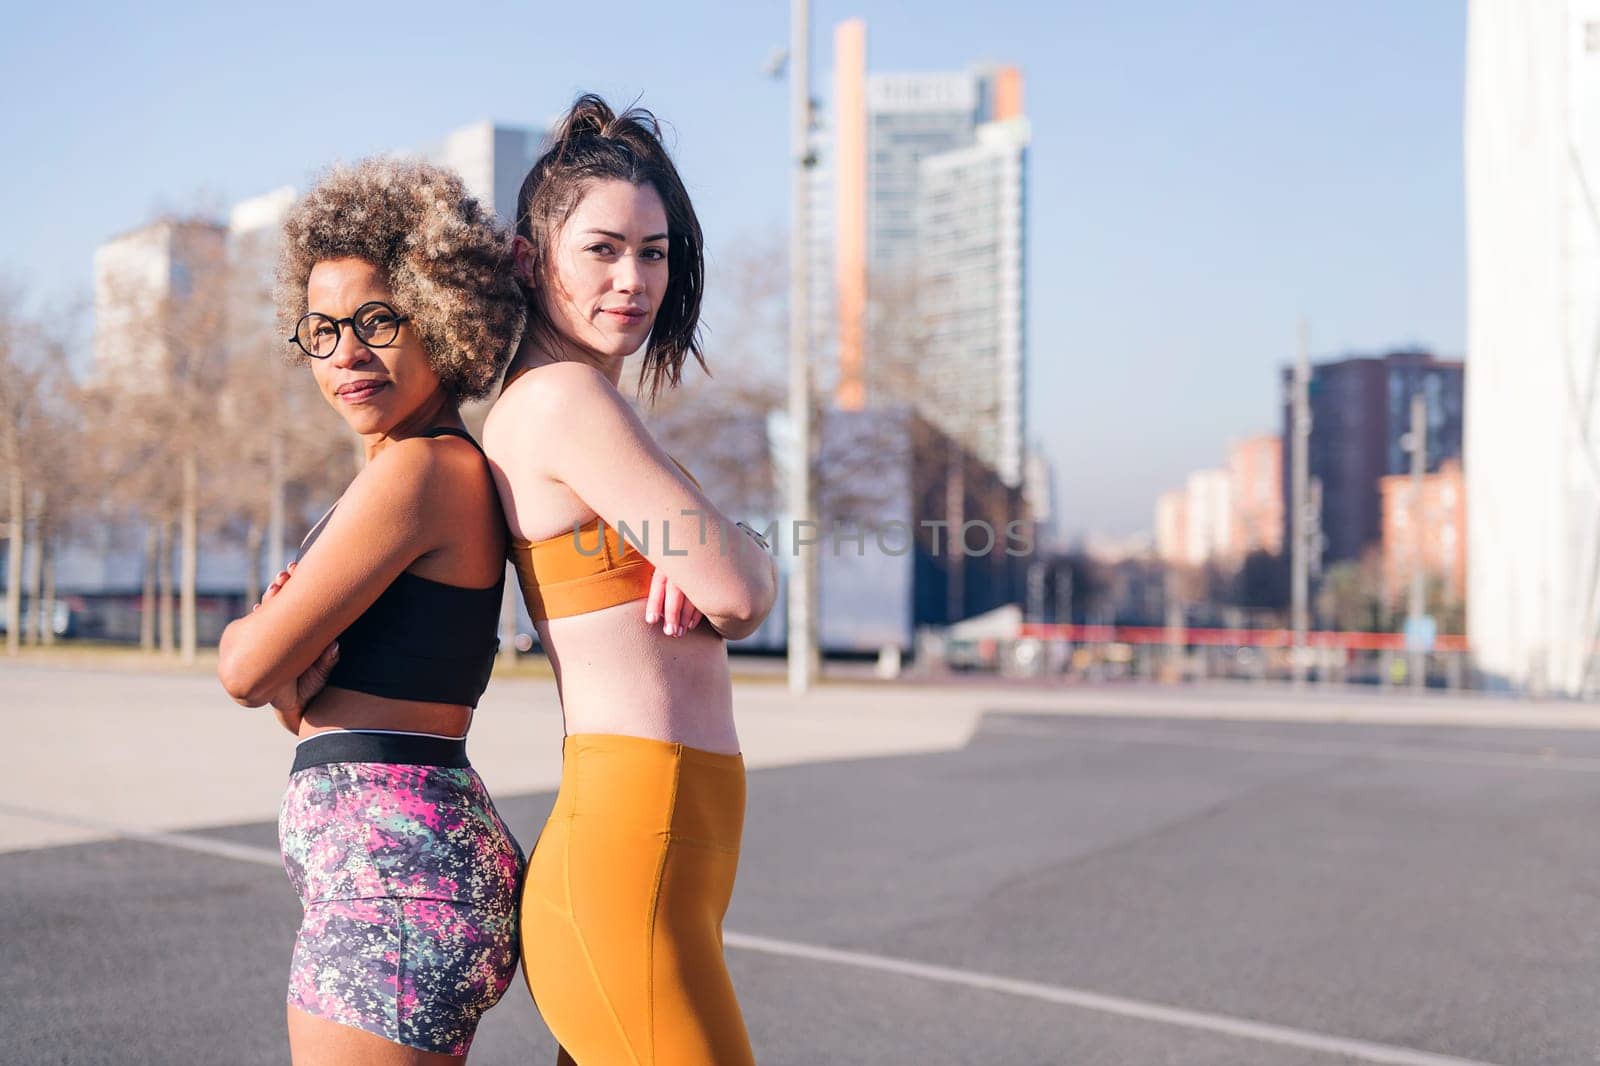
[(649, 618)]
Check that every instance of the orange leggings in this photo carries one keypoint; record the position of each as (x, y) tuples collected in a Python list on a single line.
[(623, 906)]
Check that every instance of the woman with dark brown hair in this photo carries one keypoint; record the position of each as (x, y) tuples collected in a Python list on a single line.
[(626, 891)]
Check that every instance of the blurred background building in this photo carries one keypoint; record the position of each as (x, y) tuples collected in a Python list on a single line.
[(140, 277), (492, 160), (1225, 534), (918, 271), (1222, 515), (1360, 411), (1533, 333), (1429, 529), (928, 220)]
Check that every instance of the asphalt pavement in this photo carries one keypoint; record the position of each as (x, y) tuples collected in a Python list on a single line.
[(1052, 888)]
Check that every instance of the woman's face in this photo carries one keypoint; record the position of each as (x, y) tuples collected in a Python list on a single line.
[(608, 269), (373, 389)]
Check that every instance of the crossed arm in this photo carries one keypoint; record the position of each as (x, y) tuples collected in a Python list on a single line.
[(572, 426), (382, 525)]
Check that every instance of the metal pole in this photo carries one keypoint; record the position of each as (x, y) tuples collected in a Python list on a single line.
[(1418, 666), (802, 573), (1299, 504), (277, 519)]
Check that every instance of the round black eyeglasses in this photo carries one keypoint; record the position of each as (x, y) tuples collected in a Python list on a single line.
[(374, 322)]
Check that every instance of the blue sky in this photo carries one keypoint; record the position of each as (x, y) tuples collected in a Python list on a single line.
[(1201, 174)]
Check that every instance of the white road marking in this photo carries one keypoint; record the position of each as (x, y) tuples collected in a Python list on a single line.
[(204, 845), (1242, 1028), (1262, 1032)]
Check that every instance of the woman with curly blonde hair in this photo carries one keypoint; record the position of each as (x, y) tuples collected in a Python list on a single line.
[(375, 645), (627, 888)]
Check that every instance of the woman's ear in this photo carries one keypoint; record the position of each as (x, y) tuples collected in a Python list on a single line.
[(522, 259)]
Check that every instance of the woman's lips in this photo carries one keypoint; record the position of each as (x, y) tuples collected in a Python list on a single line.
[(627, 318), (362, 392)]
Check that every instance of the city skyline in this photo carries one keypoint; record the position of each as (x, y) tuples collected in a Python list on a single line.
[(1169, 157)]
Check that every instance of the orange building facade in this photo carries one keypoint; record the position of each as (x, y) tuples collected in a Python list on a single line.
[(1442, 542), (1255, 471)]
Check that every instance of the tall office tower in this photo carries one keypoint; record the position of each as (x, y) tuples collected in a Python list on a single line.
[(492, 160), (969, 293), (143, 280), (1533, 330), (895, 190), (849, 217)]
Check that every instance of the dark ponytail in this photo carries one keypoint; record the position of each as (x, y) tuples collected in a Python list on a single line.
[(592, 143)]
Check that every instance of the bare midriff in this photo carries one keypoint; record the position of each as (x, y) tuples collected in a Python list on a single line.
[(340, 708), (618, 674)]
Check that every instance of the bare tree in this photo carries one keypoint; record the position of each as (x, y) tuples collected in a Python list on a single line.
[(276, 448), (37, 412), (17, 384), (166, 369), (716, 422)]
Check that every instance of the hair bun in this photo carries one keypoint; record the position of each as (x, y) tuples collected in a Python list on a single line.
[(590, 116)]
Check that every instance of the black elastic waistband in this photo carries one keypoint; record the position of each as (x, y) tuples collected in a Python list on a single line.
[(409, 748)]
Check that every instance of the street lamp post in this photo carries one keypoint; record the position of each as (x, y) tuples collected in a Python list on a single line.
[(1300, 504), (802, 629), (1416, 638)]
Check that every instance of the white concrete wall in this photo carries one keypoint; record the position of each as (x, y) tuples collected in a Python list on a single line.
[(1533, 372)]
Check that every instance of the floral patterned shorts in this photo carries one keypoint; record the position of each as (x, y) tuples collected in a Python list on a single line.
[(409, 880)]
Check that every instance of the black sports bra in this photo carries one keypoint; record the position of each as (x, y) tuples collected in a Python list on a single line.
[(421, 639)]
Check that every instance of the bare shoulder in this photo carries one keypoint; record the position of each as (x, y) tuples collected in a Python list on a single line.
[(421, 471), (551, 388), (551, 404)]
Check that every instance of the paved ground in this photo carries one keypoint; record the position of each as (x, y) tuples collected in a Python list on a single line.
[(953, 874)]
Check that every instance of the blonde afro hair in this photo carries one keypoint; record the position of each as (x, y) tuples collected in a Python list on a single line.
[(446, 259)]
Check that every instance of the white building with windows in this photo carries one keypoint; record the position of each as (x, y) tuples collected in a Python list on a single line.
[(971, 258), (492, 161), (910, 117), (140, 278), (1532, 433)]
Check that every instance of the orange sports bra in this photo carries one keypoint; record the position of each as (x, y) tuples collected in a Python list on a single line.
[(580, 570)]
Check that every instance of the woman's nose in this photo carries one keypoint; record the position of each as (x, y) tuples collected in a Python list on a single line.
[(352, 350), (627, 276)]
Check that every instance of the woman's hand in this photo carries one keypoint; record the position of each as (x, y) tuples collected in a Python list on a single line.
[(668, 605), (290, 702)]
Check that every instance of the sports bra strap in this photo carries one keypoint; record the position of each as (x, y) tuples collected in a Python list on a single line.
[(452, 431), (437, 431)]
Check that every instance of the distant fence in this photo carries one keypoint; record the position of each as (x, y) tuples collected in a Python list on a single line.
[(1190, 636), (1186, 653)]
